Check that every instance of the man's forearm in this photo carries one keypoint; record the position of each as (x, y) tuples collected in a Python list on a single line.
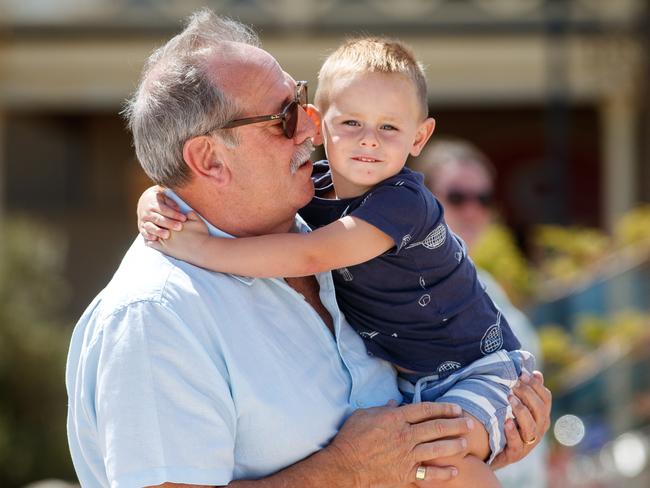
[(323, 469), (379, 447)]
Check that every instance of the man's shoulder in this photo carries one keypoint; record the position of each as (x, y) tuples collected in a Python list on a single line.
[(148, 277)]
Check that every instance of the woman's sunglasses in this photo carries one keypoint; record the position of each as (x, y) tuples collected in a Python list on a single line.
[(459, 198), (288, 116)]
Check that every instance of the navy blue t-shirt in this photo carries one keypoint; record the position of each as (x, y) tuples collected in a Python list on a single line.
[(420, 305)]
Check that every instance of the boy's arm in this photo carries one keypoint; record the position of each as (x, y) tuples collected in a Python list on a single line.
[(158, 214), (346, 242)]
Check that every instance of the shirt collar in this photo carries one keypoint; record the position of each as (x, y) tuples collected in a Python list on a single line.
[(299, 226)]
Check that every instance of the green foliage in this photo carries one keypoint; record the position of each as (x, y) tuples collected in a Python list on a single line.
[(559, 351), (564, 351), (634, 227), (33, 345), (566, 252)]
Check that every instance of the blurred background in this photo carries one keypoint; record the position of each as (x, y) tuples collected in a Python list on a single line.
[(555, 92)]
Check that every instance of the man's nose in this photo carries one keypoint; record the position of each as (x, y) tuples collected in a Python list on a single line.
[(306, 128)]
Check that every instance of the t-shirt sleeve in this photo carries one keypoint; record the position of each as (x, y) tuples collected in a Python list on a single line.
[(399, 209), (163, 406)]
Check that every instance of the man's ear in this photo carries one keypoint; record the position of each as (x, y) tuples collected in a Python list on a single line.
[(205, 157), (422, 136), (316, 117)]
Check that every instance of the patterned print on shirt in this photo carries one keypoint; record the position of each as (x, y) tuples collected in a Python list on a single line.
[(405, 240), (345, 274), (424, 300), (448, 366), (434, 240), (369, 335), (492, 340)]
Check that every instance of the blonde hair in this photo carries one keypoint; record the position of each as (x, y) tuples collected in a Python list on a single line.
[(371, 55)]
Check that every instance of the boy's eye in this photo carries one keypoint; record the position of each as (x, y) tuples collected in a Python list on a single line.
[(352, 123), (388, 127)]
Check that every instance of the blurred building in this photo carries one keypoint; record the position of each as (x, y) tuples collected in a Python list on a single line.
[(555, 91)]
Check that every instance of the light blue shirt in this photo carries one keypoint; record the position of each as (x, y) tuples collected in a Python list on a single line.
[(178, 374)]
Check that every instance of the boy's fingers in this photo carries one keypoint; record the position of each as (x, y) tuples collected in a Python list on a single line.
[(151, 229), (165, 223), (170, 203), (170, 209), (148, 237)]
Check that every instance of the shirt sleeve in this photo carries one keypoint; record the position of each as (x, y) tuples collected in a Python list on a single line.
[(163, 406), (399, 209)]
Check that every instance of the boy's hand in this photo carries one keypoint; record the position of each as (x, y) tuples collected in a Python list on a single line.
[(158, 214), (187, 244)]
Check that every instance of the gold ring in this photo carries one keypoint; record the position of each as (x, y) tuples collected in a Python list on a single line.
[(421, 473), (532, 441)]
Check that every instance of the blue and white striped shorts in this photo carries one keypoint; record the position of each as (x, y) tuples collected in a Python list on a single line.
[(480, 388)]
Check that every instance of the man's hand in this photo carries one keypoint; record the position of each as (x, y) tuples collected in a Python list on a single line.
[(384, 446), (531, 406)]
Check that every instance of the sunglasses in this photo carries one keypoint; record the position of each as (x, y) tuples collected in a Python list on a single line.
[(288, 116), (459, 198)]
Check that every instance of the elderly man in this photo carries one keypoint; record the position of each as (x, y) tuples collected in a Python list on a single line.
[(180, 376)]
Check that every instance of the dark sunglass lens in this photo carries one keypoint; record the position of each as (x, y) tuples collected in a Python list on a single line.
[(485, 199), (456, 198), (290, 120)]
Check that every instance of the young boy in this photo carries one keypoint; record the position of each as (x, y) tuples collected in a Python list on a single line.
[(403, 280)]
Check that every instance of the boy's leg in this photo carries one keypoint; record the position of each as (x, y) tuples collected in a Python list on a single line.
[(472, 472), (472, 468), (478, 440), (482, 390)]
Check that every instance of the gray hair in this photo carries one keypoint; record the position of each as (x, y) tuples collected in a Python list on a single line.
[(177, 98)]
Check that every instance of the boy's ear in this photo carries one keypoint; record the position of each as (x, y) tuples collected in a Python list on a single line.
[(205, 157), (316, 117), (422, 136)]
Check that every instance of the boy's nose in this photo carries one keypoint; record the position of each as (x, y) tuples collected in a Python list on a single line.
[(369, 139)]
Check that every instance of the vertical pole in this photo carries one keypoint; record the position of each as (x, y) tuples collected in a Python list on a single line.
[(557, 110)]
